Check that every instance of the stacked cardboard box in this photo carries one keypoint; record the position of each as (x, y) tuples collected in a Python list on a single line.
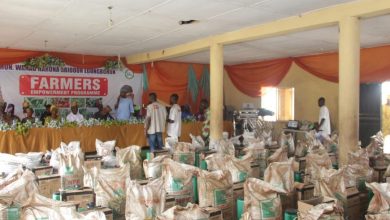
[(93, 161), (84, 197), (47, 185), (352, 207), (304, 191)]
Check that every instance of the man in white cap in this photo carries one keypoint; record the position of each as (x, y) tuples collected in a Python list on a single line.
[(74, 115)]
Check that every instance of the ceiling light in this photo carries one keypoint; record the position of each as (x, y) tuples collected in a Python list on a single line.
[(182, 22), (110, 21)]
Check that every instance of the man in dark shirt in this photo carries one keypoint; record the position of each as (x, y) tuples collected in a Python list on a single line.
[(103, 113)]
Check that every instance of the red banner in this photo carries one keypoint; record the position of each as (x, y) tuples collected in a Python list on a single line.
[(41, 85)]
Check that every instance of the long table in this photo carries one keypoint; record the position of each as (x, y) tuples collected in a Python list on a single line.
[(42, 139)]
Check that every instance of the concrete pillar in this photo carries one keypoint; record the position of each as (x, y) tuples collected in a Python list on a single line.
[(349, 72), (216, 92)]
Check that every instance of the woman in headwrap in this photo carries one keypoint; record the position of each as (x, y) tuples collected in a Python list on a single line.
[(54, 115)]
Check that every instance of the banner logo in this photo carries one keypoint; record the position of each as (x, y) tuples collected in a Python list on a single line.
[(41, 85)]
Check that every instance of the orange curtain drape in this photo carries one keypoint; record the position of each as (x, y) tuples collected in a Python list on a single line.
[(166, 78), (374, 65), (12, 56), (250, 77)]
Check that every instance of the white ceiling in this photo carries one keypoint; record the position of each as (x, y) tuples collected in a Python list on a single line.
[(82, 26)]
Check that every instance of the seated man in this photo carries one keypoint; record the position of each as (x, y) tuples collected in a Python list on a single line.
[(103, 113), (74, 115)]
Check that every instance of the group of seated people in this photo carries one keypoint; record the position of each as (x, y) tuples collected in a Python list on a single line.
[(7, 113)]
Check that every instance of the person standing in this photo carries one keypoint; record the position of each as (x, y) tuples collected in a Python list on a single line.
[(324, 119), (174, 118), (156, 115), (124, 106), (74, 115)]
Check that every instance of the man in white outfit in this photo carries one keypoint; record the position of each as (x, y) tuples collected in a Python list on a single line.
[(156, 116), (174, 119), (324, 119), (74, 115)]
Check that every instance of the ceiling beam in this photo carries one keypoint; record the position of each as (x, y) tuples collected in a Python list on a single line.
[(315, 19)]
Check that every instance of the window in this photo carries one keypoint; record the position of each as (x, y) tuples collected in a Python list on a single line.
[(280, 101)]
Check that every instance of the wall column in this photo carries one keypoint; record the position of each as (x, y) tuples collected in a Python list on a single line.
[(349, 73), (216, 92)]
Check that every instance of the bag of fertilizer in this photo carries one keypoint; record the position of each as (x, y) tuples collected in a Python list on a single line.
[(131, 155), (178, 181), (281, 175), (184, 153), (71, 170), (40, 207), (280, 155), (72, 147), (301, 149), (170, 143), (318, 157), (21, 189), (191, 211), (197, 142), (216, 189), (224, 147), (329, 183), (381, 216), (261, 200), (323, 211), (240, 169), (287, 140), (358, 169), (12, 177), (10, 163), (380, 202), (375, 148), (110, 187), (105, 149), (145, 201), (267, 137), (153, 167), (33, 158)]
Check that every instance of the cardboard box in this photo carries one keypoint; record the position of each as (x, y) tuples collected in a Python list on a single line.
[(42, 170), (289, 200), (333, 158), (302, 163), (352, 208), (304, 191), (157, 153), (255, 169), (305, 205), (238, 192), (214, 213), (93, 161), (169, 202), (379, 174), (82, 196), (48, 185), (107, 212)]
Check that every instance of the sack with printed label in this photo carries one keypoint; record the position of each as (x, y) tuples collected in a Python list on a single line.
[(131, 155), (184, 153), (10, 163), (224, 147), (287, 140), (329, 183), (380, 202), (280, 155), (375, 148), (33, 158), (216, 189), (191, 211), (105, 149), (39, 207), (170, 143), (197, 142), (20, 189), (381, 216), (153, 167), (145, 201), (110, 187), (72, 147), (261, 200), (319, 158), (358, 169), (323, 211), (281, 175), (12, 177), (240, 169), (178, 181), (71, 170)]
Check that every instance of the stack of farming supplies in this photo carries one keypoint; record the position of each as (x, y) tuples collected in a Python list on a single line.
[(358, 170), (131, 155), (106, 151), (316, 157), (145, 201), (110, 187), (184, 153), (216, 190), (178, 181), (379, 207), (328, 182), (261, 200), (191, 211), (153, 167)]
